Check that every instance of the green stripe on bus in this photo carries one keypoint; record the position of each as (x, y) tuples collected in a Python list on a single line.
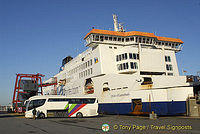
[(71, 107), (67, 106)]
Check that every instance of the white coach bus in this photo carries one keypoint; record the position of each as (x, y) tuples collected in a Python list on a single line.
[(61, 106)]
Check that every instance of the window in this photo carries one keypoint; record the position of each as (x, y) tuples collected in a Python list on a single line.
[(136, 39), (169, 67), (134, 56), (120, 57), (106, 37), (134, 65), (101, 38), (119, 39), (83, 73), (81, 101), (150, 41), (117, 58), (36, 103), (147, 41), (110, 38), (91, 62), (126, 56), (115, 39), (170, 74), (86, 73), (88, 101), (118, 67), (57, 99), (143, 40), (167, 58), (140, 40), (110, 47), (115, 47), (123, 56), (121, 67), (137, 55), (130, 56), (91, 70), (97, 38), (126, 65), (147, 80), (127, 39), (132, 39)]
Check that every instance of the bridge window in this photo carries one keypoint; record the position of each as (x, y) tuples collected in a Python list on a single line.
[(140, 40), (127, 39), (97, 38), (101, 38), (147, 40), (136, 39), (132, 39), (106, 37), (143, 40)]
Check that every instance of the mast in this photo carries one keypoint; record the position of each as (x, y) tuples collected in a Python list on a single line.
[(115, 22)]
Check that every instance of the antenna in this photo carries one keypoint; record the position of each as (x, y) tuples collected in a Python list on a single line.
[(115, 22), (121, 27)]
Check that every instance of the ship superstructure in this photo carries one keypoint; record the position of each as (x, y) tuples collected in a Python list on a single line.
[(129, 72)]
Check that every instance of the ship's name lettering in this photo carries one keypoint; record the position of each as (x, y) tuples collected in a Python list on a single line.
[(120, 95)]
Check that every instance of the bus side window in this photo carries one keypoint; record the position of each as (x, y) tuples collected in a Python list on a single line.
[(89, 101), (72, 101)]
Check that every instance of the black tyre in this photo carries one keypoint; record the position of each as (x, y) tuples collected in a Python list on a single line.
[(79, 115), (41, 116)]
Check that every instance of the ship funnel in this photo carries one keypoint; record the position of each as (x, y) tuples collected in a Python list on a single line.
[(115, 22)]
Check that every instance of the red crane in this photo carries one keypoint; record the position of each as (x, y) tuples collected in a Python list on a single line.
[(34, 88), (19, 91)]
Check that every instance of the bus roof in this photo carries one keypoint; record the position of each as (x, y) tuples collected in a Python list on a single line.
[(54, 96)]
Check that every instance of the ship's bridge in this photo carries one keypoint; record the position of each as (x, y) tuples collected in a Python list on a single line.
[(96, 36)]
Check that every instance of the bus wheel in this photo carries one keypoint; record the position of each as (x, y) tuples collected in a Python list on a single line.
[(79, 115), (41, 116)]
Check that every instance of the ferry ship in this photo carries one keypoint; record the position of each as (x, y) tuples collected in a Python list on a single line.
[(129, 72)]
